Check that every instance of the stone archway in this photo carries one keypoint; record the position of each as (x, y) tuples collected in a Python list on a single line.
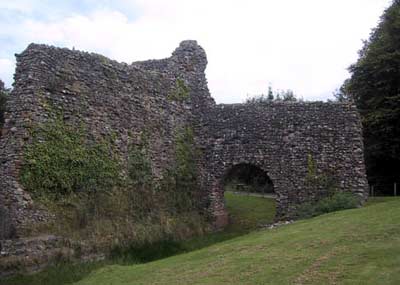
[(248, 178), (247, 172)]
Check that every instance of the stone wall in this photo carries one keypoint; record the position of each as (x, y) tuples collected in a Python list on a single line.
[(278, 138), (111, 98), (124, 101)]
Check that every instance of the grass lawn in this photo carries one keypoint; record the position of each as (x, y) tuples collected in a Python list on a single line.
[(246, 213), (360, 246)]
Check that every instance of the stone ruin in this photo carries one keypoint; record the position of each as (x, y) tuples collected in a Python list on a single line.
[(108, 96)]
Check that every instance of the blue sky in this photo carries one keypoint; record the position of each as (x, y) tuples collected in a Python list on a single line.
[(304, 45)]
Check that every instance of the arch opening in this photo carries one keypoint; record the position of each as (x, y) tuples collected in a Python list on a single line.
[(249, 197), (248, 178)]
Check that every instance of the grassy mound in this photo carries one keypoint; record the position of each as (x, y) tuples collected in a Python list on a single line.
[(360, 246)]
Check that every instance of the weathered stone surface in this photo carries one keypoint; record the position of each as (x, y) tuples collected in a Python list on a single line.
[(125, 100), (278, 138)]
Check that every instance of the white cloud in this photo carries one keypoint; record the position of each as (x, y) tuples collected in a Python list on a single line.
[(302, 45), (7, 71)]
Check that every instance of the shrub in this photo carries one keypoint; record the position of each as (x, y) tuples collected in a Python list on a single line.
[(337, 202)]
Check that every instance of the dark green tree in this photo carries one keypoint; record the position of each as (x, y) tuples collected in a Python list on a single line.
[(3, 99), (375, 87), (273, 96), (341, 94)]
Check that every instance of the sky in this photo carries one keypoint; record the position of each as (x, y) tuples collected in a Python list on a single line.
[(305, 46)]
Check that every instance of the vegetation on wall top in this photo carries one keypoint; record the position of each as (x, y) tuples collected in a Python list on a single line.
[(273, 96)]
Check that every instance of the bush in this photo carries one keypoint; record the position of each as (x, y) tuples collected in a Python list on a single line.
[(337, 202)]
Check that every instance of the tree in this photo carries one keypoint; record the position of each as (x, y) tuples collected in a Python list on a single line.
[(288, 96), (342, 94), (279, 95), (375, 87), (270, 96), (3, 99)]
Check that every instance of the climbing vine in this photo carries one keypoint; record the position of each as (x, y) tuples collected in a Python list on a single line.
[(61, 160), (181, 180), (323, 181), (139, 163), (180, 92)]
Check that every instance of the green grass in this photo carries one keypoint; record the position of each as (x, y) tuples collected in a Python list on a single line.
[(246, 214), (359, 246)]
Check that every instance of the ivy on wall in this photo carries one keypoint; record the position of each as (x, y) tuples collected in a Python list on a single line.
[(181, 180), (61, 160), (79, 180), (181, 91)]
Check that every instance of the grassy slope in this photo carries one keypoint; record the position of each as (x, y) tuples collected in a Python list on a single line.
[(246, 213), (360, 246)]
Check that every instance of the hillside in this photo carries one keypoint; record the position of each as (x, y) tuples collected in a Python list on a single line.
[(360, 246)]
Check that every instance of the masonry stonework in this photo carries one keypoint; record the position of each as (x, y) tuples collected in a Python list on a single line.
[(124, 100), (279, 138)]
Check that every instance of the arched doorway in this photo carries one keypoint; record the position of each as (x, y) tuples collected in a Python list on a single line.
[(248, 178), (249, 196)]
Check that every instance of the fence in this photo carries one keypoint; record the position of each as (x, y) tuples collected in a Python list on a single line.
[(384, 186)]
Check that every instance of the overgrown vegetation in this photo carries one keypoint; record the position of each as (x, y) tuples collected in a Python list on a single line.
[(181, 91), (3, 99), (180, 181), (359, 246), (374, 86), (61, 161), (330, 198), (246, 214), (336, 202), (273, 96), (322, 182), (80, 180)]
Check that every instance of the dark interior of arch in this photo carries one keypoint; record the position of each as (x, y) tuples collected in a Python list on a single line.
[(248, 177)]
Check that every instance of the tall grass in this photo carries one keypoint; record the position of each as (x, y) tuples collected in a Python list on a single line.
[(246, 214)]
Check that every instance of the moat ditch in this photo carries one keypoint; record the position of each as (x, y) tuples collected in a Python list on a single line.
[(246, 213)]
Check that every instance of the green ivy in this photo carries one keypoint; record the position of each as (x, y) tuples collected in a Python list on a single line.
[(181, 91), (324, 181), (139, 164), (181, 180), (60, 160), (311, 168)]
